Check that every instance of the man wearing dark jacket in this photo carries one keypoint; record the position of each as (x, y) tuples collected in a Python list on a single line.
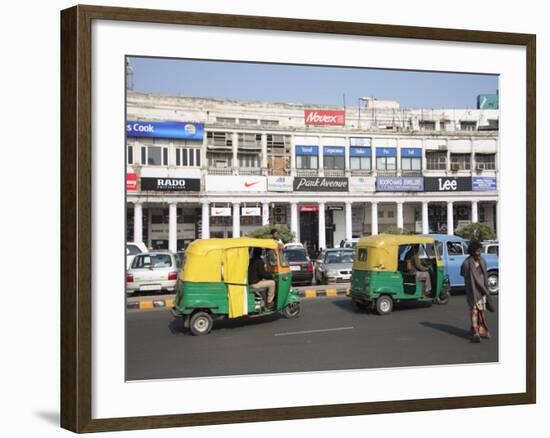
[(258, 277)]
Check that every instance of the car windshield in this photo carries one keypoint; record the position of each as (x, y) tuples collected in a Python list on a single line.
[(339, 257), (152, 261), (296, 255)]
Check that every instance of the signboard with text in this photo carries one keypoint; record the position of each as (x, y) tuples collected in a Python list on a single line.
[(171, 184), (181, 130), (234, 183), (484, 183), (131, 182), (400, 184), (320, 184), (324, 117), (447, 184)]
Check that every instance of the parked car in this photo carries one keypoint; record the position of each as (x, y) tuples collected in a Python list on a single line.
[(334, 265), (293, 245), (300, 265), (153, 271), (133, 248), (454, 250), (490, 247)]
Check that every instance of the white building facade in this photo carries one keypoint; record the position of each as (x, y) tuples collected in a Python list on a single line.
[(202, 168)]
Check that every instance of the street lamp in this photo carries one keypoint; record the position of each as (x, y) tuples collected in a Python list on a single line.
[(364, 99)]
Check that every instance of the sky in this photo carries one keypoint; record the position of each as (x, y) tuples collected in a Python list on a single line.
[(308, 84)]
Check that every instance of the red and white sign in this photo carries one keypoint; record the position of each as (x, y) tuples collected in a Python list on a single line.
[(220, 211), (306, 208), (324, 117), (131, 182), (251, 211), (233, 183)]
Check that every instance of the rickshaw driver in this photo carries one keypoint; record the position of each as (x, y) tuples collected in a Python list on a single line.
[(415, 266), (258, 277)]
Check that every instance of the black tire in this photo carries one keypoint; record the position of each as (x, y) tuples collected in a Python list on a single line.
[(384, 305), (492, 282), (201, 323), (291, 310)]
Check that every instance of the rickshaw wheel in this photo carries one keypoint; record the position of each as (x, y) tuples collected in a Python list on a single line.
[(291, 310), (201, 323), (384, 305)]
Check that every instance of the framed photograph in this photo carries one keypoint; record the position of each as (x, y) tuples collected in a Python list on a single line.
[(271, 219)]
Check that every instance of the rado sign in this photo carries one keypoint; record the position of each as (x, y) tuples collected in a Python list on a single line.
[(321, 184), (445, 184), (171, 184)]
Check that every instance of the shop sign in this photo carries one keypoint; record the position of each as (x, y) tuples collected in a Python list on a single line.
[(359, 141), (333, 150), (308, 208), (279, 183), (447, 184), (360, 152), (386, 152), (399, 184), (324, 117), (131, 182), (181, 130), (484, 183), (171, 184), (220, 211), (307, 150), (320, 184), (251, 211), (234, 183), (362, 184), (335, 208), (411, 152)]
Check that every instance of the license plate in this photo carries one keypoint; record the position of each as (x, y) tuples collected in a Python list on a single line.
[(148, 287), (295, 268)]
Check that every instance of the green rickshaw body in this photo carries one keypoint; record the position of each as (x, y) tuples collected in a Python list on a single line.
[(379, 271), (213, 283)]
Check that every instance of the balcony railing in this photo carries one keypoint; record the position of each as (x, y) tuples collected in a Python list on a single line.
[(335, 172), (249, 171), (219, 170), (361, 172), (307, 172)]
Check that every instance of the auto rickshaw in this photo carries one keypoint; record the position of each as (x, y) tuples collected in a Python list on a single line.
[(381, 274), (213, 283)]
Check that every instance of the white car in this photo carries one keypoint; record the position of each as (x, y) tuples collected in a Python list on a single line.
[(293, 245), (133, 248), (153, 272)]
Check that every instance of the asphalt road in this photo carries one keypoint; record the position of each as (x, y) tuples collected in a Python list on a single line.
[(328, 335)]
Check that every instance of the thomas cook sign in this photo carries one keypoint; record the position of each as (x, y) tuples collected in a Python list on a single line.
[(171, 184), (321, 184)]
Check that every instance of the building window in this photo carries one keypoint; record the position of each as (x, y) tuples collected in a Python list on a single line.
[(248, 121), (411, 163), (188, 157), (220, 139), (385, 163), (436, 160), (334, 162), (130, 156), (485, 161), (307, 162), (219, 160), (154, 156), (426, 125), (460, 162), (253, 141), (269, 122), (360, 163), (248, 160), (467, 125)]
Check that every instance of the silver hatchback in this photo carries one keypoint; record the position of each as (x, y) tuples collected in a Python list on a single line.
[(153, 272)]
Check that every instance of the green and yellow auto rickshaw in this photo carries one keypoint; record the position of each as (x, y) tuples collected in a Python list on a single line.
[(382, 272), (213, 283)]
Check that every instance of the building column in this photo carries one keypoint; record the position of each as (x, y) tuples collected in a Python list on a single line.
[(347, 162), (425, 222), (265, 213), (321, 158), (322, 227), (138, 222), (172, 227), (475, 216), (348, 221), (450, 219), (374, 218), (399, 214), (496, 219), (264, 154), (236, 219), (294, 220), (235, 151), (205, 232)]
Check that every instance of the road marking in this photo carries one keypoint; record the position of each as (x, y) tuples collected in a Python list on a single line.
[(146, 305), (331, 293), (305, 332), (310, 293)]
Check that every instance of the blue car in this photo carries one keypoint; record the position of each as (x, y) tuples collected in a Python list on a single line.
[(454, 250)]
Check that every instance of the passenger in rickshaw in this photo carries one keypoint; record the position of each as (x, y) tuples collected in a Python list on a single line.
[(259, 278), (414, 265)]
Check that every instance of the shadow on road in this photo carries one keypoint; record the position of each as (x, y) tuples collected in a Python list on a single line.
[(176, 325), (449, 329), (349, 306)]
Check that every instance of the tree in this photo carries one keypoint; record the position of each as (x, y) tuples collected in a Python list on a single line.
[(392, 229), (477, 231), (265, 233)]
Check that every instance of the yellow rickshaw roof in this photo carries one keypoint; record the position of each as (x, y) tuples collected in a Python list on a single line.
[(204, 246), (384, 240)]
